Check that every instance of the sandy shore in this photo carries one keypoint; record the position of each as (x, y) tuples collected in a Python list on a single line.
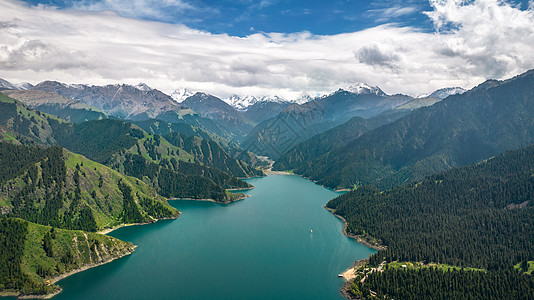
[(211, 200), (271, 172), (108, 230)]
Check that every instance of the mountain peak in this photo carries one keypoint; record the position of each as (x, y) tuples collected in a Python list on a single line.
[(446, 92), (361, 88), (179, 95), (143, 87), (244, 102), (241, 102)]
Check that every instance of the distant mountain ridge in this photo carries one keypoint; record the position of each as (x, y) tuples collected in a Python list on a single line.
[(492, 117), (124, 101), (71, 110), (296, 123)]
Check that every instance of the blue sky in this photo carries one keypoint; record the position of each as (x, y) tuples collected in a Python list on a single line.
[(243, 17), (267, 47)]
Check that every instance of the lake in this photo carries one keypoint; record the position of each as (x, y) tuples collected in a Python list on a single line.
[(257, 248)]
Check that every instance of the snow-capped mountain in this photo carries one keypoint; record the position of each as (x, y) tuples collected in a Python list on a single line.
[(245, 102), (305, 98), (446, 92), (4, 84), (143, 87), (179, 95), (364, 89), (241, 102)]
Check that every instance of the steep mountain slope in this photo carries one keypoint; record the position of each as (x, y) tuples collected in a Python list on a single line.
[(19, 123), (461, 129), (51, 186), (232, 149), (124, 101), (297, 123), (6, 85), (431, 99), (52, 103), (334, 138), (210, 153), (214, 108), (446, 92), (122, 146), (476, 216), (264, 110), (192, 119), (31, 254), (128, 149)]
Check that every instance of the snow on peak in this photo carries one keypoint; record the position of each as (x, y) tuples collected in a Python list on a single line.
[(244, 102), (364, 89), (7, 85), (272, 99), (143, 87), (179, 95), (446, 92), (241, 102), (305, 98)]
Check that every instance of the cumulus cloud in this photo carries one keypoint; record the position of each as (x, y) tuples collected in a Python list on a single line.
[(473, 41)]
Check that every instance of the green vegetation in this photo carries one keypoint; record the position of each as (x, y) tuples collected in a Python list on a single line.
[(52, 103), (459, 130), (210, 153), (480, 216), (30, 254), (302, 154), (436, 283), (113, 143), (19, 123), (169, 169), (54, 187)]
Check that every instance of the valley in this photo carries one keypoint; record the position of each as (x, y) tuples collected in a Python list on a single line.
[(440, 185)]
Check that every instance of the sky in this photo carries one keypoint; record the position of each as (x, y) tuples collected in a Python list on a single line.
[(267, 47)]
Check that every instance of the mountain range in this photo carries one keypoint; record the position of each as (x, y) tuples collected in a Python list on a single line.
[(461, 129), (423, 173)]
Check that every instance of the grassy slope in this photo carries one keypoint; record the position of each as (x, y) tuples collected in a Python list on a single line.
[(71, 251), (107, 212), (99, 191)]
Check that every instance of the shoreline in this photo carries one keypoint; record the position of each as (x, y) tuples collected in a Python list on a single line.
[(90, 266), (271, 172), (65, 275), (210, 200), (109, 230), (348, 280), (358, 238)]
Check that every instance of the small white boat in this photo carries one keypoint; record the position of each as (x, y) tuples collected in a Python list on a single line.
[(339, 275), (311, 231)]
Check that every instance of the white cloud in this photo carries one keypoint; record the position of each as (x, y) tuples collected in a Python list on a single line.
[(161, 10), (390, 13), (474, 41)]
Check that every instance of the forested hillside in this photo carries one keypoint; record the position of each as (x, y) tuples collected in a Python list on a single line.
[(114, 142), (51, 186), (30, 254), (52, 103), (210, 153), (476, 216), (336, 137), (495, 117)]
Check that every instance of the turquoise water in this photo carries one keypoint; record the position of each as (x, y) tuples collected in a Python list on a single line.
[(258, 248)]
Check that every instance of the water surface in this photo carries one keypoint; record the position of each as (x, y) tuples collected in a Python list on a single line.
[(258, 248)]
